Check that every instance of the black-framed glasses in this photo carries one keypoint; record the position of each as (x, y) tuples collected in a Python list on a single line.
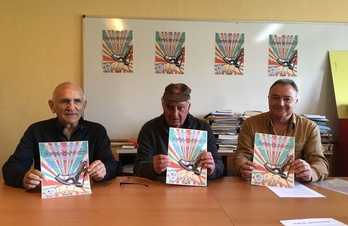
[(135, 180)]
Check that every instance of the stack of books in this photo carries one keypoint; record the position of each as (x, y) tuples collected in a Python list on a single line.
[(225, 125), (325, 131), (249, 113)]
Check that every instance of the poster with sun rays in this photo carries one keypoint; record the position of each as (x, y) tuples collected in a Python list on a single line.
[(273, 155), (185, 148), (64, 165), (283, 55), (229, 54), (170, 52), (117, 54)]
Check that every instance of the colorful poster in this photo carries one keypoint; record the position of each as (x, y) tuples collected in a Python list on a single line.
[(64, 165), (117, 51), (273, 155), (170, 52), (283, 55), (229, 54), (185, 148)]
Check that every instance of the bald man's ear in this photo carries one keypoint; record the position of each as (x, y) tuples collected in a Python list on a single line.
[(51, 104)]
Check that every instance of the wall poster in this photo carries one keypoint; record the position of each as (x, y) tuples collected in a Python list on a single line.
[(283, 55), (117, 51), (229, 54), (170, 52)]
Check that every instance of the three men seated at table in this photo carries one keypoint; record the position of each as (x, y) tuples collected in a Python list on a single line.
[(68, 103)]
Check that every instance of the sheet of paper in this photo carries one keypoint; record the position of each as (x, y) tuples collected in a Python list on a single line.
[(312, 221), (299, 191)]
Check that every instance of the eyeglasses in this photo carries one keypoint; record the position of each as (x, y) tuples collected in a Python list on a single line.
[(135, 180)]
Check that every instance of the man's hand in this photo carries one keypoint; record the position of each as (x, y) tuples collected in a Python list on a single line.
[(160, 163), (97, 170), (302, 169), (32, 179), (246, 169), (207, 161)]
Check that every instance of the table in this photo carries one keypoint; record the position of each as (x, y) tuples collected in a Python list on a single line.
[(226, 201), (245, 204)]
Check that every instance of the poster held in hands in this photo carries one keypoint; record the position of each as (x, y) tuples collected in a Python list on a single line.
[(185, 149), (273, 155), (64, 165)]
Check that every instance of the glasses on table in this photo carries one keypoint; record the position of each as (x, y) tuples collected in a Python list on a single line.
[(135, 180)]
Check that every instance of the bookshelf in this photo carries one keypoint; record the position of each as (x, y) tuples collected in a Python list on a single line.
[(125, 152), (326, 138)]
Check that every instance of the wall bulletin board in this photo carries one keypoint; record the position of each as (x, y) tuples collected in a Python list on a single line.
[(227, 64)]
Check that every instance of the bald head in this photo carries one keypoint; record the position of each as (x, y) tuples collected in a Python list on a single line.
[(67, 85), (68, 102)]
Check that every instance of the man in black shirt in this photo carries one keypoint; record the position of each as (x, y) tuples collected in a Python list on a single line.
[(152, 159), (68, 103)]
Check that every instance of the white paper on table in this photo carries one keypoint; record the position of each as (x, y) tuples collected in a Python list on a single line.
[(313, 221), (298, 191)]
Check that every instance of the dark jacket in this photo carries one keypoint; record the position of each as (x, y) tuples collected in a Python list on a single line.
[(153, 140), (51, 130)]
